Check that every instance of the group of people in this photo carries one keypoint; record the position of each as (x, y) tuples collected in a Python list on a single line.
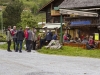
[(88, 40), (30, 36), (17, 36)]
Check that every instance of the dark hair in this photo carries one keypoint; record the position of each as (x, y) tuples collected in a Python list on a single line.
[(20, 28), (9, 26), (33, 27)]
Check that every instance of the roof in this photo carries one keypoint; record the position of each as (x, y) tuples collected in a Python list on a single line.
[(46, 5), (79, 3), (49, 3), (53, 25), (79, 13)]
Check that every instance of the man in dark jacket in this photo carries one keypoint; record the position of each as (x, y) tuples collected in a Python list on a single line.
[(49, 36), (20, 38)]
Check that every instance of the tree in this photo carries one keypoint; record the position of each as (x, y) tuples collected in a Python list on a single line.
[(12, 13), (34, 9), (42, 3), (27, 19)]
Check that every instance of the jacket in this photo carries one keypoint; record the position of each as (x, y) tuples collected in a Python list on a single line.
[(34, 36), (8, 37), (29, 35), (20, 35), (49, 36), (26, 34), (54, 37), (14, 33)]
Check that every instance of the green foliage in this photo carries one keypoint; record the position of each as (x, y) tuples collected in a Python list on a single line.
[(72, 51), (42, 3), (34, 9), (2, 37), (12, 13), (27, 19)]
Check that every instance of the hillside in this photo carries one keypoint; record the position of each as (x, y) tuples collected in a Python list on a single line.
[(32, 5), (27, 3)]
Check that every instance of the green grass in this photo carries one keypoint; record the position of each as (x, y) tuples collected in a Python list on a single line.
[(4, 46), (72, 51)]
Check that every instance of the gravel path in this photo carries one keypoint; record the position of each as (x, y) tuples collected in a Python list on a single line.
[(34, 63)]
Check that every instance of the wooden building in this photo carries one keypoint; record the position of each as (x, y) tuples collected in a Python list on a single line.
[(52, 16), (78, 23), (82, 23)]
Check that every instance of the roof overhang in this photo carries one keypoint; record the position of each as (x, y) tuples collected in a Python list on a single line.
[(89, 9), (43, 9), (80, 13), (46, 5), (40, 23), (53, 25)]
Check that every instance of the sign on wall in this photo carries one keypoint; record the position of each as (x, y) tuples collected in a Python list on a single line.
[(77, 23), (96, 36)]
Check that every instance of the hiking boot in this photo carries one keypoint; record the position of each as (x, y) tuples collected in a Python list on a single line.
[(9, 50), (20, 51), (28, 51)]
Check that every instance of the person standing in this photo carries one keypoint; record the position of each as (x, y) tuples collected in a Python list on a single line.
[(34, 39), (9, 38), (49, 36), (26, 37), (42, 39), (20, 38), (29, 40), (14, 31)]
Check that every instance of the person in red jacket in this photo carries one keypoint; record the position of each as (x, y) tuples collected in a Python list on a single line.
[(26, 36)]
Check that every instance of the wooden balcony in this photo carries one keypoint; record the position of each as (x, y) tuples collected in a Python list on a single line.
[(55, 13)]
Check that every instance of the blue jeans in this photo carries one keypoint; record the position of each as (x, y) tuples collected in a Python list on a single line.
[(19, 43), (14, 42)]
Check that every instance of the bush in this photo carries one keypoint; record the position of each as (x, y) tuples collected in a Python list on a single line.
[(2, 38)]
